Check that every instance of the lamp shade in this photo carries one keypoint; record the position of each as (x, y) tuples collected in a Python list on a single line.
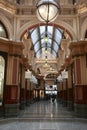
[(47, 10)]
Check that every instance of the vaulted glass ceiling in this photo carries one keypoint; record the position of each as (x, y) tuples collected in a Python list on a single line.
[(46, 38)]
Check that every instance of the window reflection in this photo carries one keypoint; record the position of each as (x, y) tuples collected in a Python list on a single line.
[(2, 67)]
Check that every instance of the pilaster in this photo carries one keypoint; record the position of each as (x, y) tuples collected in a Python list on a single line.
[(11, 88), (79, 54)]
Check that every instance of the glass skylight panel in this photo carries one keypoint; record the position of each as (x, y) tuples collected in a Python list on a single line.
[(50, 41), (48, 44), (54, 53), (49, 49), (57, 36), (36, 46), (55, 46), (43, 49), (43, 45), (34, 36), (50, 29), (38, 54), (42, 42), (42, 29)]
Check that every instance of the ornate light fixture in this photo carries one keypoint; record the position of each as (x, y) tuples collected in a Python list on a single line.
[(48, 10)]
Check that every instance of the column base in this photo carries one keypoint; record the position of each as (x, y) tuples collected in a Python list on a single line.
[(11, 110), (80, 110)]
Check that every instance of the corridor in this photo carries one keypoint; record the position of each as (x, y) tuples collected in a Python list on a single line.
[(46, 110), (44, 115)]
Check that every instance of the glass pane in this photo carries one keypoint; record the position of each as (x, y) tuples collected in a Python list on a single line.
[(42, 29), (50, 29), (55, 46), (54, 53), (49, 49), (43, 45), (57, 36), (2, 67), (34, 36), (49, 43), (38, 54), (43, 42), (37, 46), (43, 49)]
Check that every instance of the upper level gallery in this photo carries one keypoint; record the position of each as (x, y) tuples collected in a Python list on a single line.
[(28, 7)]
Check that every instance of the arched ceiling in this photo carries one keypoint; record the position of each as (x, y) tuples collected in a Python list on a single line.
[(45, 38), (45, 50)]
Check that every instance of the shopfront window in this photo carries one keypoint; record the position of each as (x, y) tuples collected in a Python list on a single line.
[(50, 90), (2, 69)]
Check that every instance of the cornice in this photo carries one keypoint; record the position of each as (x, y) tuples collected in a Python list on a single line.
[(78, 48), (11, 47)]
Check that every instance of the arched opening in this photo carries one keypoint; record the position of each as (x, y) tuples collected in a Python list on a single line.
[(3, 31)]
